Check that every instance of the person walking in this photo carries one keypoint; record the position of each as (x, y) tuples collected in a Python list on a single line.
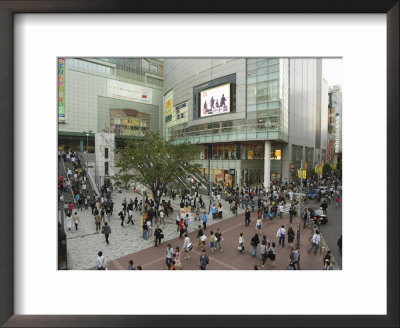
[(241, 243), (213, 240), (76, 220), (97, 221), (69, 221), (162, 216), (291, 213), (157, 235), (177, 221), (281, 210), (315, 240), (305, 216), (168, 254), (187, 246), (247, 217), (145, 230), (263, 252), (271, 253), (101, 261), (339, 244), (199, 234), (181, 228), (130, 216), (297, 257), (254, 242), (205, 220), (178, 264), (258, 226), (281, 234), (204, 260), (122, 215), (290, 235), (106, 230), (219, 237)]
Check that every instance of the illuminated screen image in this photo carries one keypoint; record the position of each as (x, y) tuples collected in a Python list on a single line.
[(215, 100)]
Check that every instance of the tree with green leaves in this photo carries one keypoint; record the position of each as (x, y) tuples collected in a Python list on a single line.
[(156, 163)]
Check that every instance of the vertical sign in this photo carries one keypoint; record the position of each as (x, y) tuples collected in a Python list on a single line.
[(168, 102), (61, 89)]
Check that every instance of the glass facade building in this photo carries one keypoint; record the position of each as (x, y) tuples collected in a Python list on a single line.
[(276, 108)]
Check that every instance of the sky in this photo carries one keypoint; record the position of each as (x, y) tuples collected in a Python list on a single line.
[(332, 71)]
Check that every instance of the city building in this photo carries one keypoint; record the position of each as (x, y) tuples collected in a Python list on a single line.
[(102, 102), (335, 125), (256, 120)]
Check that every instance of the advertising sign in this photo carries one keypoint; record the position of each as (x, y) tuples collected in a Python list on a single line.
[(215, 100), (168, 102), (61, 89), (129, 92)]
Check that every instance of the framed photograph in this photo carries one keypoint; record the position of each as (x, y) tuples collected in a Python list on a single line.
[(38, 38)]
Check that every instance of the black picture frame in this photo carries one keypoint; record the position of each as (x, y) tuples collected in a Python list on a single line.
[(7, 11)]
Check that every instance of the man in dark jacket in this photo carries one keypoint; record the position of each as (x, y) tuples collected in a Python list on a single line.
[(157, 235), (106, 230), (203, 260), (199, 234), (247, 217)]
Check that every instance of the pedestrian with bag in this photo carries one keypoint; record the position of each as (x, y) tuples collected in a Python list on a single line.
[(181, 228), (281, 234), (213, 240), (187, 246), (219, 237), (106, 230), (271, 254)]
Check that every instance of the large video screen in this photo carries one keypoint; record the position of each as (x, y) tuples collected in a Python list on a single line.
[(215, 100)]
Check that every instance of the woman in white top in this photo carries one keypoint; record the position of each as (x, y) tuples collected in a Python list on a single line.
[(241, 243), (69, 222), (258, 226), (186, 244)]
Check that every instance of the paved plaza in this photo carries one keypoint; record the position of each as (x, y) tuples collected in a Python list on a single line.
[(126, 241), (84, 244)]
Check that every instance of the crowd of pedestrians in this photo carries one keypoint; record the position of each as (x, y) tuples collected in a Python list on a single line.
[(262, 205)]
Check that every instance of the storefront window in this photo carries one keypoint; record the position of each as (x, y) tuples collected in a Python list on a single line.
[(252, 151), (224, 151)]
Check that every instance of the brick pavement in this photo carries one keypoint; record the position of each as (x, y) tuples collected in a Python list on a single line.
[(153, 258), (83, 244)]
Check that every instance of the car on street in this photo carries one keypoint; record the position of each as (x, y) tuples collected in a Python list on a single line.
[(318, 216), (313, 194)]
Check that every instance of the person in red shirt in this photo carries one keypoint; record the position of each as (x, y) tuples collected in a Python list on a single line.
[(181, 228)]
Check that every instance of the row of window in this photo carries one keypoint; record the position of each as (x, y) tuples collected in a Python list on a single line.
[(83, 64)]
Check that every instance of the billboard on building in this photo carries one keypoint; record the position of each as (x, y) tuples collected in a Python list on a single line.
[(216, 100), (168, 103), (61, 89), (129, 92)]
